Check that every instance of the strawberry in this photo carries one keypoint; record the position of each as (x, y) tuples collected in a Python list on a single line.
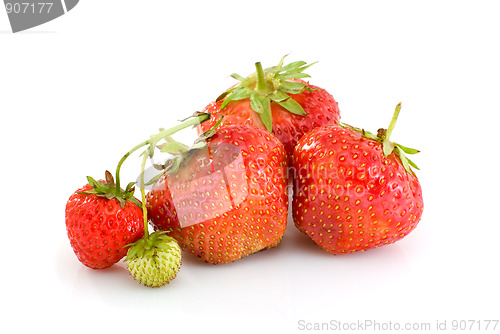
[(154, 260), (100, 220), (354, 190), (278, 100), (226, 200)]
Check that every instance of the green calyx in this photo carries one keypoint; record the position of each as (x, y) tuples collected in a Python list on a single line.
[(388, 146), (109, 190), (269, 85), (154, 260), (149, 245)]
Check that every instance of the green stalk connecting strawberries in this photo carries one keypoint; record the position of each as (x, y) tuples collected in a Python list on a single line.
[(103, 221), (225, 197), (155, 259), (155, 139)]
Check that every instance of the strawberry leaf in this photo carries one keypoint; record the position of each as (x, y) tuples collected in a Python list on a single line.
[(199, 145), (226, 93), (297, 69), (293, 66), (404, 159), (156, 177), (238, 94), (109, 178), (174, 147), (388, 147), (407, 150), (297, 75), (92, 182), (293, 106), (237, 77), (129, 187), (292, 87), (278, 68), (262, 105), (174, 165), (412, 164), (256, 104), (279, 96)]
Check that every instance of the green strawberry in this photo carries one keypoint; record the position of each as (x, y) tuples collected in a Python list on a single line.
[(154, 260)]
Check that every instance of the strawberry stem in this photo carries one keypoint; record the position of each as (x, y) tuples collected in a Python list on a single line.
[(143, 197), (388, 146), (393, 121), (262, 87), (190, 122), (122, 160), (198, 119)]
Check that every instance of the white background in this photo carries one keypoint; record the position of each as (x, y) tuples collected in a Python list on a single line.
[(80, 91)]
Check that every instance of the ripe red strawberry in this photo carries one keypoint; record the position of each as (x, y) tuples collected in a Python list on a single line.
[(227, 200), (100, 221), (354, 190), (278, 100)]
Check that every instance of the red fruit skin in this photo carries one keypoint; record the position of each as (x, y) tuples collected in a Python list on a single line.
[(223, 214), (319, 105), (98, 228), (348, 196)]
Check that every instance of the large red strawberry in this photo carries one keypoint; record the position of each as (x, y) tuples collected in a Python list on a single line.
[(278, 100), (354, 190), (227, 199), (101, 220)]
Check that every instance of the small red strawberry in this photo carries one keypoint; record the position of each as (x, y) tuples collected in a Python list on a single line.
[(100, 220), (278, 100), (354, 190), (226, 200)]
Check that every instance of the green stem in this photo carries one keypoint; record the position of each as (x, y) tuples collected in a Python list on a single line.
[(193, 121), (143, 197), (261, 81), (155, 138), (393, 121), (122, 160)]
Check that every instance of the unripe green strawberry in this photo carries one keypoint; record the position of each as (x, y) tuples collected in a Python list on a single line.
[(154, 260)]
